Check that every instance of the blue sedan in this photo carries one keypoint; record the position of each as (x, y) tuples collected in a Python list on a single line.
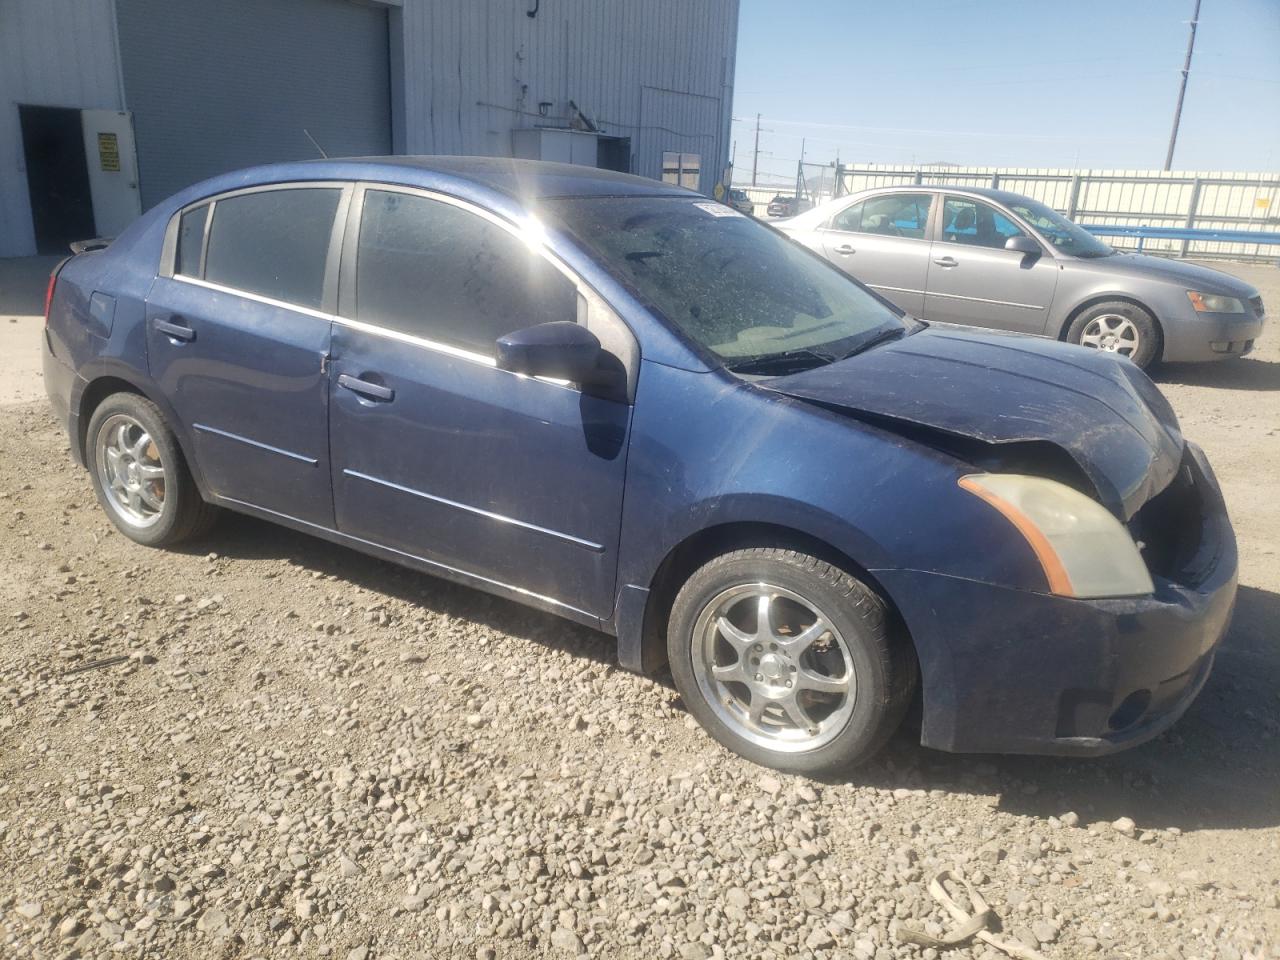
[(615, 400)]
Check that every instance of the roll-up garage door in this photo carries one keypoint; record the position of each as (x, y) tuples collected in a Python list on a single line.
[(216, 86)]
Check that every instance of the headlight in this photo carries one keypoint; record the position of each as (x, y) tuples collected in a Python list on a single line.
[(1214, 303), (1084, 550)]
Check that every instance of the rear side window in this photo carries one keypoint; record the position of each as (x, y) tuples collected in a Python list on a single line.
[(892, 215), (273, 243), (191, 240), (437, 271)]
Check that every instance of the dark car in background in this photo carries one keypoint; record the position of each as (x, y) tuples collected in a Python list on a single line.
[(615, 400), (787, 205)]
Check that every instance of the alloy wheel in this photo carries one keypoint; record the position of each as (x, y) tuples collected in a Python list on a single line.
[(774, 668), (131, 471), (1113, 333)]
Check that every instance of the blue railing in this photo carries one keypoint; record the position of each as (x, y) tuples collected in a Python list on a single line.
[(1180, 233)]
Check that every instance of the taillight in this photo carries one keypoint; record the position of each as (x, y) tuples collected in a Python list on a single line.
[(48, 293)]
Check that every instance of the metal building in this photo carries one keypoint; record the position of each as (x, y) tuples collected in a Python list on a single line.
[(108, 106)]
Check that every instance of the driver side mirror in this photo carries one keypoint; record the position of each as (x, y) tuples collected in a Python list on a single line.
[(562, 350), (1024, 245)]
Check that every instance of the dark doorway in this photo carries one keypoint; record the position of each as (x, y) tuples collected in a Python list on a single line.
[(57, 176), (613, 153)]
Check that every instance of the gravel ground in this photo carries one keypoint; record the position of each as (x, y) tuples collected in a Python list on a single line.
[(264, 745)]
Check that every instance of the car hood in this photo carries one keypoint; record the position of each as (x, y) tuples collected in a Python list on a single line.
[(1003, 389), (1191, 275)]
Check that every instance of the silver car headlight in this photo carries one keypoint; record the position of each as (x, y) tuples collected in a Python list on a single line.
[(1084, 550), (1214, 303)]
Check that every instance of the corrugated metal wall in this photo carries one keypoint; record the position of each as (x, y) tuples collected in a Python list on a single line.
[(216, 86), (54, 53), (657, 71)]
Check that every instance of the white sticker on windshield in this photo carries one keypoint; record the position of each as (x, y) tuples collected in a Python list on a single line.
[(717, 209)]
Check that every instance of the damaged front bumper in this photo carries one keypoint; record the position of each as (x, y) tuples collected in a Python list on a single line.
[(1011, 671)]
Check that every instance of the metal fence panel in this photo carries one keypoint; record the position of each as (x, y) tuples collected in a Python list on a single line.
[(1191, 199)]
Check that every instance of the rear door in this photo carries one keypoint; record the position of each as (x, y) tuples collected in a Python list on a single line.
[(238, 340), (974, 280), (882, 241), (437, 453)]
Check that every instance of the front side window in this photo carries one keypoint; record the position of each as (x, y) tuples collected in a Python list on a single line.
[(736, 287), (976, 224), (1060, 231), (891, 215), (435, 270), (273, 243)]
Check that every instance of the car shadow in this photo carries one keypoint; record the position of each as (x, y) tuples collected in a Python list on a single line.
[(1217, 768), (247, 538), (1242, 373)]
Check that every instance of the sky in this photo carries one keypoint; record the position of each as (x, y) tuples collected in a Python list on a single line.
[(1038, 83)]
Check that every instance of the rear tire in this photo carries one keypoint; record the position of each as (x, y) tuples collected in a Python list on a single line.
[(140, 476), (816, 688), (1118, 326)]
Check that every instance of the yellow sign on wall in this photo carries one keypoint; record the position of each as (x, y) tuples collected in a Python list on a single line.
[(109, 152)]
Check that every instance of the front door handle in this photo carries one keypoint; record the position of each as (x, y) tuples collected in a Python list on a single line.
[(845, 249), (946, 261), (374, 391), (175, 331)]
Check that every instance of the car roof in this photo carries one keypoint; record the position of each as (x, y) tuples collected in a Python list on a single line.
[(1000, 196), (519, 179)]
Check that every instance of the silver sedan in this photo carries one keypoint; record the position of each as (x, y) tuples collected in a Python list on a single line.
[(990, 258)]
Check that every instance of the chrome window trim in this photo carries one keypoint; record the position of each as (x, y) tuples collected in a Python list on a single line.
[(408, 338), (170, 247), (353, 199)]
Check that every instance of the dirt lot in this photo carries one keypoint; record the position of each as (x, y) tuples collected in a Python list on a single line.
[(303, 752)]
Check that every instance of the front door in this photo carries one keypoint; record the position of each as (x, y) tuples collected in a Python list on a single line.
[(881, 241), (439, 454), (238, 340), (974, 280)]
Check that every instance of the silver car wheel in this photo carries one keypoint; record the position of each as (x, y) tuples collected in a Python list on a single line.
[(774, 668), (1113, 333), (129, 467)]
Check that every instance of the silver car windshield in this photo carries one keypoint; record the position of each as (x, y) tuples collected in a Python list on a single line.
[(738, 288), (1061, 232)]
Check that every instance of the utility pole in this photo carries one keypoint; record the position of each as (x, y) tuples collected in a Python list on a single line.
[(755, 158), (1182, 88), (800, 170)]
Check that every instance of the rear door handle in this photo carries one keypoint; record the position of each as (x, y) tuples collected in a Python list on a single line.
[(845, 249), (176, 331), (946, 261), (374, 391)]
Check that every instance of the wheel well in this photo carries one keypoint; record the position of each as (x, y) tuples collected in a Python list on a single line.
[(703, 546), (1115, 298), (94, 394)]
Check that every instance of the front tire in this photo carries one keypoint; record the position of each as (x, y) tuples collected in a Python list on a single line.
[(789, 661), (1118, 327), (140, 476)]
